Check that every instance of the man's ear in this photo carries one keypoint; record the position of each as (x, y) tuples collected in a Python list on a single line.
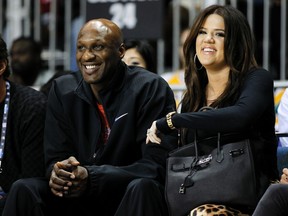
[(122, 50), (3, 65)]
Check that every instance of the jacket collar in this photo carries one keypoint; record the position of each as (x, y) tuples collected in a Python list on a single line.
[(83, 89)]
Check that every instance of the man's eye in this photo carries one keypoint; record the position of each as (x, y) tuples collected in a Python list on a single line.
[(80, 48), (98, 47)]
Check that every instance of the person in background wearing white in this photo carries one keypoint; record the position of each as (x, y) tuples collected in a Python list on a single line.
[(283, 118)]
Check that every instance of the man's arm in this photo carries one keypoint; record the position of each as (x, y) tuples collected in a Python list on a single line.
[(157, 102)]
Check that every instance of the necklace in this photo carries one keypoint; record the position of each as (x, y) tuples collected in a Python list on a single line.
[(211, 100), (4, 123)]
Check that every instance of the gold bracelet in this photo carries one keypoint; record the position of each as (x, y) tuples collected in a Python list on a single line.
[(169, 120)]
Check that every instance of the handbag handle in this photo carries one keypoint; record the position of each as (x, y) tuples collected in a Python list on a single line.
[(220, 155)]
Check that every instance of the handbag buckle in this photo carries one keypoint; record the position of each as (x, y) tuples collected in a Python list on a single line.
[(236, 152)]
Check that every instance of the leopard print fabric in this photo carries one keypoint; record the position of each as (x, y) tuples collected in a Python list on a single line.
[(215, 210)]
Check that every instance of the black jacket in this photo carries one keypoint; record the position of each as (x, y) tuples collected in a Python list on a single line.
[(135, 98), (23, 153)]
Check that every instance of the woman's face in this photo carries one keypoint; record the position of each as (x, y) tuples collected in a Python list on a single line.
[(134, 58), (210, 43)]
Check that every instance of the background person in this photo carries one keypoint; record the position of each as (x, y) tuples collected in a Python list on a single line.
[(26, 62), (283, 118), (221, 72), (22, 116), (140, 53), (96, 157), (275, 200)]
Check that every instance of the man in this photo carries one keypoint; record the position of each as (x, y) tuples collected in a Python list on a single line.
[(22, 116), (96, 156)]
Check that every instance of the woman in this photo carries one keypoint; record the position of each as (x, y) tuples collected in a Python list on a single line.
[(140, 53), (221, 72)]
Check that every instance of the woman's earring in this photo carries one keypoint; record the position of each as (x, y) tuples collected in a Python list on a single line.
[(195, 58)]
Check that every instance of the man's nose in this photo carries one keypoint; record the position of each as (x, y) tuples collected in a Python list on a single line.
[(88, 54)]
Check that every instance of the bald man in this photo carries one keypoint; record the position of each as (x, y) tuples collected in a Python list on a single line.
[(97, 118)]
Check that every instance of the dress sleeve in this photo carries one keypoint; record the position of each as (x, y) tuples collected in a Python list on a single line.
[(255, 98)]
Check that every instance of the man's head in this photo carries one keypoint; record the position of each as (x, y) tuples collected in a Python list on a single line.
[(4, 63), (26, 60), (100, 48)]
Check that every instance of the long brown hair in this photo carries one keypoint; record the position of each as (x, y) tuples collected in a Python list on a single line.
[(238, 53)]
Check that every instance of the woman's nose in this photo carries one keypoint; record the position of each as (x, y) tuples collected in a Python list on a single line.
[(209, 38)]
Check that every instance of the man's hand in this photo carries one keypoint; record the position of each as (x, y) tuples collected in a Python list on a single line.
[(68, 178)]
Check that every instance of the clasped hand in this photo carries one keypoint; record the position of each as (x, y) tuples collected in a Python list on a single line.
[(152, 134), (68, 178)]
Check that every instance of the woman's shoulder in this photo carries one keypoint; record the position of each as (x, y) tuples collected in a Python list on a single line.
[(259, 79), (259, 71), (260, 74)]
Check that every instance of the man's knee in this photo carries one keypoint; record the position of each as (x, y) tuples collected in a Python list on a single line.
[(29, 185), (20, 185)]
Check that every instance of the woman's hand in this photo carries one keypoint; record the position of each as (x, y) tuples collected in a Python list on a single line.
[(284, 176), (152, 134)]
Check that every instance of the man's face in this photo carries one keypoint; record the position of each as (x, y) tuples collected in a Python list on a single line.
[(22, 58), (98, 52)]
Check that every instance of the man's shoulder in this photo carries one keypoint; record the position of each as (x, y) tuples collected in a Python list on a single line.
[(73, 77), (68, 82), (143, 77)]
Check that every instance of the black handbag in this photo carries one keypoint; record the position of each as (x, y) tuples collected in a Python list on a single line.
[(225, 176)]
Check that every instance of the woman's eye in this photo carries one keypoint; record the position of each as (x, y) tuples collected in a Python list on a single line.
[(220, 34), (202, 32), (135, 63)]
